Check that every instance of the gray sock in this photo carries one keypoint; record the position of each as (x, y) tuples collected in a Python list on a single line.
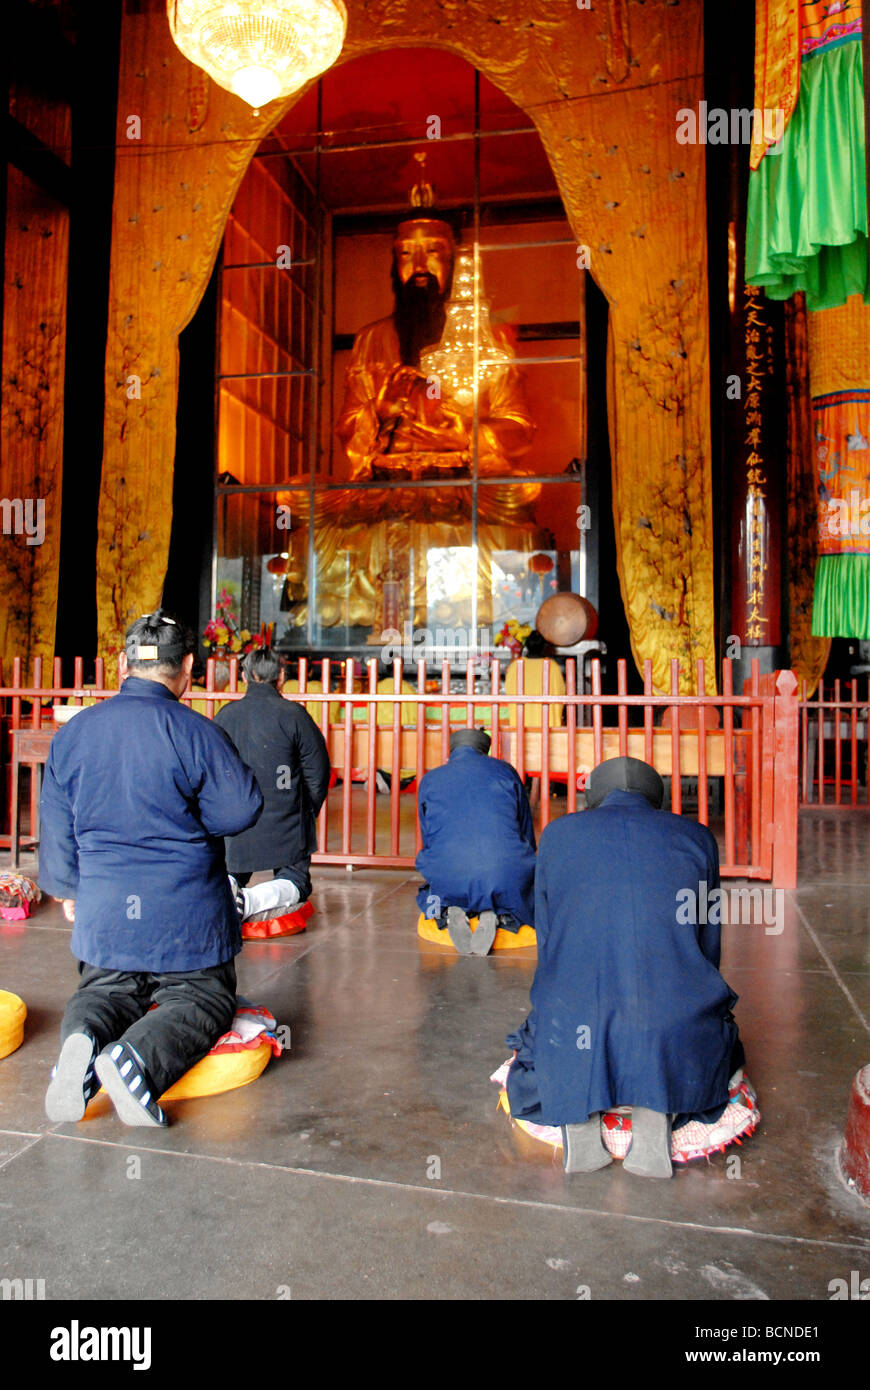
[(650, 1152), (459, 930), (583, 1148), (484, 934)]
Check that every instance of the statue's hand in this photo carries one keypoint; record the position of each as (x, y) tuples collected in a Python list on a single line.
[(452, 421), (454, 415), (395, 392)]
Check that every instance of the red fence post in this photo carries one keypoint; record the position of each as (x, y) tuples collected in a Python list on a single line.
[(784, 687), (420, 755), (372, 759), (741, 822), (326, 688), (571, 717)]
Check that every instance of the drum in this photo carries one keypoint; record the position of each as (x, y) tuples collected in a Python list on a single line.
[(566, 619)]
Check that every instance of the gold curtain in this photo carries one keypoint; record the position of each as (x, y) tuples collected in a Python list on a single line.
[(31, 475), (604, 94), (180, 156)]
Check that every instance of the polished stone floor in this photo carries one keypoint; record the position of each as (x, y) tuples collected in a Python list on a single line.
[(370, 1160)]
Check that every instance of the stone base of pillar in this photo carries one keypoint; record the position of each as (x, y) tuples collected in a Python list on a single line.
[(855, 1149)]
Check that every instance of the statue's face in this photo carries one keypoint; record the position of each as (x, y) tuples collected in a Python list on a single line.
[(420, 253)]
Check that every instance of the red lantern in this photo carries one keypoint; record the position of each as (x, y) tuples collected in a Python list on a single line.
[(277, 564), (540, 564)]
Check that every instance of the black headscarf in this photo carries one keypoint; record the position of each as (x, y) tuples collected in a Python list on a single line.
[(470, 738), (627, 775)]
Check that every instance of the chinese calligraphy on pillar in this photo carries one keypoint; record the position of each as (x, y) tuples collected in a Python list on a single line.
[(756, 597)]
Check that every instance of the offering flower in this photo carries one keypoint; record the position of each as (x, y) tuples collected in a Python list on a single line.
[(513, 635), (223, 635)]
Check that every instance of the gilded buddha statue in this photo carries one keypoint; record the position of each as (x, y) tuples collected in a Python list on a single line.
[(400, 422)]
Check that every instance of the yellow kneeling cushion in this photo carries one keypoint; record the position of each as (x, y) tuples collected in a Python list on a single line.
[(221, 1071), (13, 1012), (429, 930)]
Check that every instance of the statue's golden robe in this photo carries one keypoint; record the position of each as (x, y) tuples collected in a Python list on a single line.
[(396, 428)]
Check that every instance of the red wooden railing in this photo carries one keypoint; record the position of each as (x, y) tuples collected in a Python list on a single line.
[(832, 723), (748, 740)]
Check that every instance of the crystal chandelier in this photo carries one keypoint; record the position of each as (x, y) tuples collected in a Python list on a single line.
[(468, 355), (259, 49)]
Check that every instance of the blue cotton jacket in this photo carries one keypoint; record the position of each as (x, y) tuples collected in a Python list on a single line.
[(478, 839), (137, 796), (628, 1006)]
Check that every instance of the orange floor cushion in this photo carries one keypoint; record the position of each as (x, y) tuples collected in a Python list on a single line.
[(287, 925), (429, 930), (238, 1056), (13, 1012), (221, 1071)]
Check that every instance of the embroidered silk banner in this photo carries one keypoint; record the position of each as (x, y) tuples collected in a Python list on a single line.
[(777, 67), (841, 427), (807, 215), (839, 349)]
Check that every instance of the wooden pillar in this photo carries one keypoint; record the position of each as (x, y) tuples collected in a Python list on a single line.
[(755, 434)]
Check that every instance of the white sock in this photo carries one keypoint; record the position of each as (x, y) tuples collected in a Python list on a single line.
[(270, 899)]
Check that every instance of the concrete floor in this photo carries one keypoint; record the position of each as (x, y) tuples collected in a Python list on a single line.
[(370, 1160)]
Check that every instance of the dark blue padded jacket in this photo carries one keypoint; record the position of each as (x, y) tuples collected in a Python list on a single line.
[(138, 793)]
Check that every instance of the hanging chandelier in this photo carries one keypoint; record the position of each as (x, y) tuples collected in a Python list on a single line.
[(259, 49), (468, 355)]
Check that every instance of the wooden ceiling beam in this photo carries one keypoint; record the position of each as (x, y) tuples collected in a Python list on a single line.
[(34, 158)]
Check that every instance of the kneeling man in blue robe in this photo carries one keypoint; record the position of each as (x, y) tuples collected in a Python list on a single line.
[(628, 1005), (478, 855), (138, 794)]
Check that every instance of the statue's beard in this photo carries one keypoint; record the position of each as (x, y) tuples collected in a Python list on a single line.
[(419, 316)]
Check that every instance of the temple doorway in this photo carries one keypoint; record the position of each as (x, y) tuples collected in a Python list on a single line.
[(345, 505)]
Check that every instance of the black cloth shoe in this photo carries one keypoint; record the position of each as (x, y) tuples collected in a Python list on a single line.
[(508, 922), (239, 898), (123, 1075)]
